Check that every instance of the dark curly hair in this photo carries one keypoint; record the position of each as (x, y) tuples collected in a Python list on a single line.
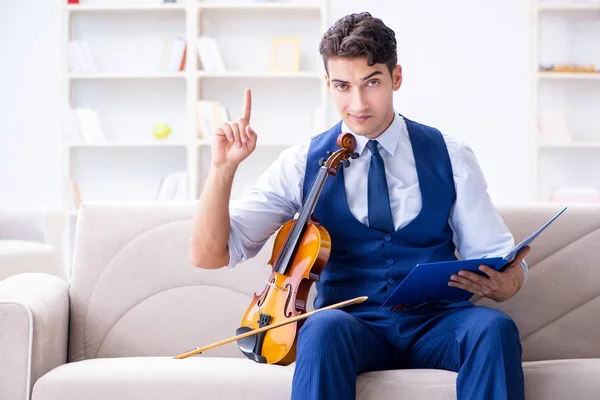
[(360, 35)]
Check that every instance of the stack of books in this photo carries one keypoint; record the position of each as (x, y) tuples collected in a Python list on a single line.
[(174, 55)]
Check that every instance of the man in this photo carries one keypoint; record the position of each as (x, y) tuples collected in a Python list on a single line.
[(414, 195)]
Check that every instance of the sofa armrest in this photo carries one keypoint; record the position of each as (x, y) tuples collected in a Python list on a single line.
[(34, 315)]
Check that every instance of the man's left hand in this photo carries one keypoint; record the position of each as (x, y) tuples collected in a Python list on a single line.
[(498, 286)]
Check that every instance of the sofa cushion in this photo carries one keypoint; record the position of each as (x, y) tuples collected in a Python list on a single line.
[(153, 378), (196, 378), (562, 379), (430, 384), (150, 378)]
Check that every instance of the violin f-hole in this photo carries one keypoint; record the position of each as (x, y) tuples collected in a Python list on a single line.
[(265, 292), (288, 313)]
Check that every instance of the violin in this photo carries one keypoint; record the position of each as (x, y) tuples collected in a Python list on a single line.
[(300, 252)]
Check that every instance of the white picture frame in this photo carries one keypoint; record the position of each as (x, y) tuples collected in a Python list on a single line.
[(285, 56)]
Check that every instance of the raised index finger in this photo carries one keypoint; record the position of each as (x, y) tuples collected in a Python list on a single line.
[(247, 105)]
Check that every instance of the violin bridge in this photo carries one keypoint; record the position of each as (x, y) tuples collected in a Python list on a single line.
[(274, 286)]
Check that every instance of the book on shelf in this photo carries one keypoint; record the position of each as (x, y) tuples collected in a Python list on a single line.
[(174, 55), (210, 56), (79, 57), (173, 186), (82, 125), (210, 114)]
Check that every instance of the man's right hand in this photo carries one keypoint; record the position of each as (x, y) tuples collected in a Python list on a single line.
[(235, 140)]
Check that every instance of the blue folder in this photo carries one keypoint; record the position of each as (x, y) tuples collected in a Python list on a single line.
[(428, 282)]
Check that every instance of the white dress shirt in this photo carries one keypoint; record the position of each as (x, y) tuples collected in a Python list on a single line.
[(478, 229)]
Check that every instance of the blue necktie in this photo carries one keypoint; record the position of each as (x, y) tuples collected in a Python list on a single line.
[(378, 200)]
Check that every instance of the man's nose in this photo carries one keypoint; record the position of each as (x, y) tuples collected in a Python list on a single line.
[(359, 103)]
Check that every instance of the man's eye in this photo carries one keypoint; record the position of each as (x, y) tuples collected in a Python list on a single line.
[(341, 86), (373, 83)]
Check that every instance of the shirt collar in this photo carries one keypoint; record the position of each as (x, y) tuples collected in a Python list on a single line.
[(388, 139)]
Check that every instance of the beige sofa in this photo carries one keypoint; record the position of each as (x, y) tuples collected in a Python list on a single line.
[(135, 301)]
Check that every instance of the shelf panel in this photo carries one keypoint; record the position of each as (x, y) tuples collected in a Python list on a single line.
[(259, 6), (201, 143), (568, 75), (569, 7), (82, 8), (91, 76), (241, 74), (575, 145), (123, 145)]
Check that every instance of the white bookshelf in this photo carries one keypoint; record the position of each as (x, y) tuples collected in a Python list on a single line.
[(569, 6), (73, 147), (286, 75), (100, 75), (273, 5), (581, 76), (130, 94), (565, 127), (98, 6)]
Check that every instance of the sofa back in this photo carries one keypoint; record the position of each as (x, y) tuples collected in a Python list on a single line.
[(134, 291), (558, 309)]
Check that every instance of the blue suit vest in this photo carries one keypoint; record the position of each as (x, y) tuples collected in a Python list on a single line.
[(365, 261)]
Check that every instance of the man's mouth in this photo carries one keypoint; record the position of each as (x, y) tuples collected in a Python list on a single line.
[(360, 118)]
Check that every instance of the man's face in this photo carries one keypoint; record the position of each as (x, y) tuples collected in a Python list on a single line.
[(363, 94)]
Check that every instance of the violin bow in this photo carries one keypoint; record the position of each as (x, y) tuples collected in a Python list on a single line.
[(300, 317)]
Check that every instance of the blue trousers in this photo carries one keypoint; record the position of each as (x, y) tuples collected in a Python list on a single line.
[(480, 343)]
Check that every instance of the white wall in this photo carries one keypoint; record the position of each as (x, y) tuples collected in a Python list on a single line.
[(465, 71), (30, 160)]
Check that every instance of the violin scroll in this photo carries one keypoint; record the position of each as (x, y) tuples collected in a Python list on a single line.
[(347, 142)]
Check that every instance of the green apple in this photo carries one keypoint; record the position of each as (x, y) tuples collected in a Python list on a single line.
[(161, 130)]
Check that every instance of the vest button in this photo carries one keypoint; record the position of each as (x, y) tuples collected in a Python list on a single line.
[(390, 262), (391, 281), (388, 238)]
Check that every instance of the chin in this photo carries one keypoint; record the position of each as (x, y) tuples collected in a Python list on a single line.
[(358, 129), (361, 130)]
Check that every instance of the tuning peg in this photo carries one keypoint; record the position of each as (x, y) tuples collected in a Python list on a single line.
[(329, 152), (346, 163), (354, 155), (321, 162)]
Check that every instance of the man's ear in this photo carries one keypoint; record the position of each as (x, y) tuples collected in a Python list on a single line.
[(326, 76), (397, 77)]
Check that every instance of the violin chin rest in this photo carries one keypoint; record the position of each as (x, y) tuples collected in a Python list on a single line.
[(247, 345)]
